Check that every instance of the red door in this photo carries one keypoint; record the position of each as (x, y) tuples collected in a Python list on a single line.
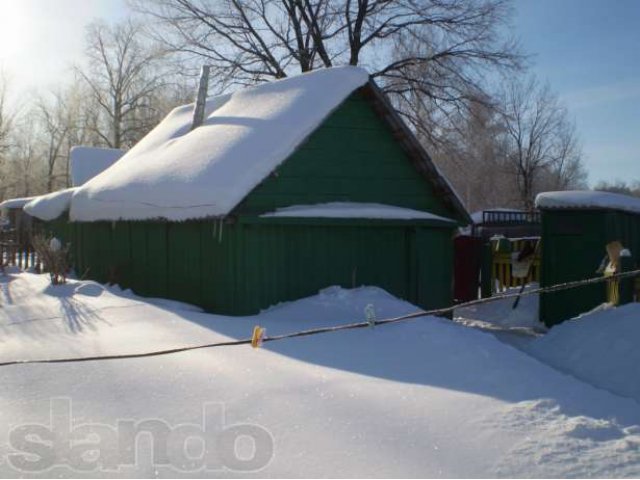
[(467, 260)]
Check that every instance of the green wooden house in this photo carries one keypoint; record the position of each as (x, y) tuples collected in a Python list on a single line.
[(285, 189), (576, 227)]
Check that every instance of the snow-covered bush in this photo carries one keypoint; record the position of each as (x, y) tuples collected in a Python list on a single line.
[(54, 257)]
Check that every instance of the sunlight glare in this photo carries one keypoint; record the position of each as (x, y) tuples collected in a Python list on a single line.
[(13, 27)]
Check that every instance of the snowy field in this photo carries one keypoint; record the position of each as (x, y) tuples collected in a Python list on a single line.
[(425, 398)]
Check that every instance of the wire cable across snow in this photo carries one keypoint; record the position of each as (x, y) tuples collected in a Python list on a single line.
[(336, 328)]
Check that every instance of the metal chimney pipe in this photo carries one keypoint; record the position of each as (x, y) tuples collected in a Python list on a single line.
[(201, 99)]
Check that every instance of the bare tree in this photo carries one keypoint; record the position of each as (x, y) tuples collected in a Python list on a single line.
[(473, 160), (123, 72), (6, 115), (426, 50), (620, 186), (21, 172), (540, 140), (56, 123)]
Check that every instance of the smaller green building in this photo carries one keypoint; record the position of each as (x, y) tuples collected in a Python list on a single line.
[(576, 227), (286, 188)]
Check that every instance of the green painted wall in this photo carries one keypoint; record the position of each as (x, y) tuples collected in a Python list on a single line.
[(573, 246), (251, 266), (353, 156)]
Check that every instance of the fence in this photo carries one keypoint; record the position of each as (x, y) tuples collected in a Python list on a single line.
[(19, 252), (509, 217), (499, 270), (510, 223)]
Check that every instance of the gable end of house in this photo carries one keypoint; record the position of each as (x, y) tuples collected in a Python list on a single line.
[(362, 152)]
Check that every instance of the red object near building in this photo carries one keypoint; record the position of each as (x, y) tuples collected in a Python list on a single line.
[(468, 258)]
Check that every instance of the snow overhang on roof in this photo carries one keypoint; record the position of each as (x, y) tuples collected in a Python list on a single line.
[(87, 162), (15, 203), (354, 210), (50, 206), (587, 200)]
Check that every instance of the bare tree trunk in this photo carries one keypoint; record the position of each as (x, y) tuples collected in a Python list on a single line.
[(124, 73)]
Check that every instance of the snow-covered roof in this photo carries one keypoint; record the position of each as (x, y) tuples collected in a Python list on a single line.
[(177, 173), (13, 203), (87, 162), (354, 210), (50, 206), (587, 199)]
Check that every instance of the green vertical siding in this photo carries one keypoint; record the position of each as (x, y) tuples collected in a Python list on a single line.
[(353, 156), (434, 261), (141, 279), (120, 270), (287, 262), (573, 246), (247, 267), (184, 267), (154, 267)]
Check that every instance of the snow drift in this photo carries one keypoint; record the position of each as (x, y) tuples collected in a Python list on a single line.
[(425, 398), (600, 347)]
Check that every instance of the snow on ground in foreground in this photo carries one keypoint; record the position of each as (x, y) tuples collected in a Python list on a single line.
[(422, 398), (501, 314), (600, 347)]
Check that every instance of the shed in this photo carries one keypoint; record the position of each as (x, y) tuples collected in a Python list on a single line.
[(286, 188), (576, 227)]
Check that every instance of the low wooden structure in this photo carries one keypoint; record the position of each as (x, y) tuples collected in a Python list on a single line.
[(361, 156), (576, 229)]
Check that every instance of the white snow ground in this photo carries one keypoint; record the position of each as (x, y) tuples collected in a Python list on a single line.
[(423, 398), (501, 314), (600, 347)]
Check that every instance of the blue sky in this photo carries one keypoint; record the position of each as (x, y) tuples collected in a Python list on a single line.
[(588, 50), (590, 53)]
